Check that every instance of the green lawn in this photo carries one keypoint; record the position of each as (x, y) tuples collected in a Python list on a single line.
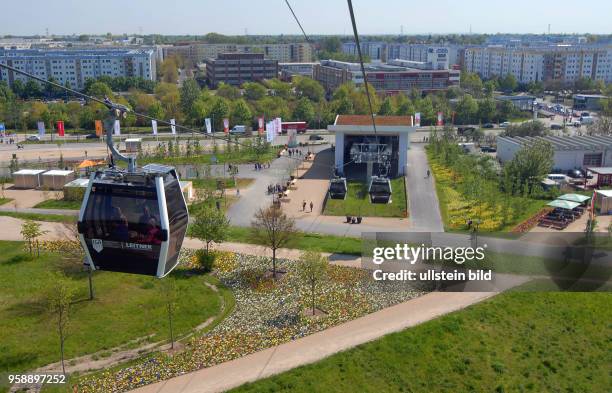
[(515, 342), (126, 307), (5, 200), (357, 202), (211, 182), (59, 204), (306, 241), (40, 217), (242, 157)]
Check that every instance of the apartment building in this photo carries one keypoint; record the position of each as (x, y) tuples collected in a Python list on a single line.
[(283, 53), (564, 63), (385, 78), (76, 66), (444, 55), (237, 68)]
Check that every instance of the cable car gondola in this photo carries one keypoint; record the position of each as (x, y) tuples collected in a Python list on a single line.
[(134, 220), (337, 188), (380, 190)]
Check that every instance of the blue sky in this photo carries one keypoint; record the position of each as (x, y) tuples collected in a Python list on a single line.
[(21, 17)]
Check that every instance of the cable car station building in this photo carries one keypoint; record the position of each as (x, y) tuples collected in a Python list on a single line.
[(355, 141)]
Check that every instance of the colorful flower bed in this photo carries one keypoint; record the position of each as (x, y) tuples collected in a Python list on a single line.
[(267, 313)]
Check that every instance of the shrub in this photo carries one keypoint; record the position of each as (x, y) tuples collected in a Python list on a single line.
[(205, 260)]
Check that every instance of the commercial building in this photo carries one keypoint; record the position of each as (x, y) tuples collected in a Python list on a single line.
[(588, 101), (76, 66), (520, 102), (385, 78), (354, 134), (237, 68), (571, 152), (289, 70), (300, 52), (563, 63)]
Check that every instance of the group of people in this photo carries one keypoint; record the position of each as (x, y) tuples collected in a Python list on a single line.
[(294, 153), (304, 206), (148, 227), (275, 188), (9, 141), (259, 167)]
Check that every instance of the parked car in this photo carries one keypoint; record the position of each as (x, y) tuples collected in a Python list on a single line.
[(557, 177), (238, 130), (315, 138), (488, 149), (585, 114), (463, 129), (575, 174), (91, 136), (488, 125), (556, 127), (586, 120), (504, 124), (33, 138)]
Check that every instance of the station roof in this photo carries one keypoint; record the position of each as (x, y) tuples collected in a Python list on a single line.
[(29, 172), (602, 170), (564, 142), (366, 120)]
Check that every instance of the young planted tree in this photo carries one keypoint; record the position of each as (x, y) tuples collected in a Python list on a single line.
[(274, 229), (312, 269), (30, 230), (169, 295), (209, 225), (60, 294)]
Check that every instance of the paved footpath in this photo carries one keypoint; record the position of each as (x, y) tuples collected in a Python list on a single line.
[(317, 346)]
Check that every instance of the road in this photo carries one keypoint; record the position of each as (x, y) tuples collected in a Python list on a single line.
[(422, 198)]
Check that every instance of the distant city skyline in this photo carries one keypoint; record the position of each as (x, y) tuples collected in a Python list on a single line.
[(272, 17)]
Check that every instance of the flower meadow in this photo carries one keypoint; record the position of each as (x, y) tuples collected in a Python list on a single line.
[(267, 313)]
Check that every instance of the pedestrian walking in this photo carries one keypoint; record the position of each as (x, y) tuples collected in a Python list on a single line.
[(311, 206), (304, 205), (428, 173)]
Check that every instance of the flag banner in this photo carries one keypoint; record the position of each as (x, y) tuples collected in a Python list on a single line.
[(154, 126), (208, 125), (279, 126), (60, 128), (2, 130), (226, 125), (99, 128), (117, 128), (41, 128), (440, 119), (417, 119), (173, 126), (270, 131), (260, 123)]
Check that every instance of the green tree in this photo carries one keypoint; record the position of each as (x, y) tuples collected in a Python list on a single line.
[(32, 89), (169, 70), (386, 108), (272, 228), (31, 231), (254, 91), (467, 109), (99, 90), (304, 111), (228, 91), (312, 269), (169, 294), (219, 109), (486, 110), (529, 128), (472, 83), (332, 44), (241, 113), (60, 294), (508, 83), (189, 93), (309, 88), (209, 225), (529, 166)]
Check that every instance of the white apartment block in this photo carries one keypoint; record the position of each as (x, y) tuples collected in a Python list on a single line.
[(565, 63), (443, 56), (76, 66), (283, 53)]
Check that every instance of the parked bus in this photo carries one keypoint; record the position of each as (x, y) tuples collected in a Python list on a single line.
[(299, 126)]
